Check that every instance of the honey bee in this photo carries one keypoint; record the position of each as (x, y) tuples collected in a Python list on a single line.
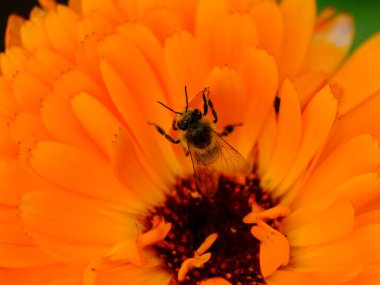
[(210, 153)]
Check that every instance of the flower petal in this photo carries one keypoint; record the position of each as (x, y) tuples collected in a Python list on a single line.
[(358, 78), (80, 172), (207, 22), (270, 33), (28, 127), (319, 223), (12, 231), (330, 44), (360, 190), (150, 274), (91, 223), (359, 120), (369, 276), (8, 103), (162, 21), (164, 160), (358, 156), (257, 64), (12, 32), (33, 32), (59, 119), (59, 25), (187, 66), (284, 277), (288, 137), (149, 45), (308, 84), (13, 60), (8, 147), (228, 95), (57, 274), (299, 18), (234, 35), (19, 256), (29, 91), (96, 120), (356, 249), (134, 172), (317, 120), (274, 248), (266, 143)]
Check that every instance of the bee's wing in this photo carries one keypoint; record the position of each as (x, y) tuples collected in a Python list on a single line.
[(230, 160), (226, 160)]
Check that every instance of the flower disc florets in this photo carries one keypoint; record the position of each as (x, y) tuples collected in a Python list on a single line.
[(235, 253)]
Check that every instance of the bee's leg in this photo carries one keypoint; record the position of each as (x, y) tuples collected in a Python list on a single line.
[(162, 132), (208, 103), (187, 152), (174, 125), (205, 105), (229, 129)]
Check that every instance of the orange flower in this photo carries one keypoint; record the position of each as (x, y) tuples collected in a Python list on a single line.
[(91, 194)]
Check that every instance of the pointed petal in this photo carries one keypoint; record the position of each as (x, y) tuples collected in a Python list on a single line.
[(93, 226), (149, 274), (58, 117), (270, 33), (358, 78), (57, 274), (330, 44), (187, 66), (358, 156), (157, 151), (287, 139), (29, 91), (96, 120), (284, 277), (258, 64), (369, 276), (80, 172), (234, 36), (59, 25), (299, 19), (317, 120), (228, 95), (134, 172), (358, 248), (12, 32), (319, 223)]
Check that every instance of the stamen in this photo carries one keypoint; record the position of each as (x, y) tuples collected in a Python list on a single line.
[(274, 248), (190, 263), (229, 251), (199, 258), (207, 243), (264, 215)]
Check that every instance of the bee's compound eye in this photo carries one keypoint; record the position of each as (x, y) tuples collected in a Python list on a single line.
[(196, 115), (183, 125)]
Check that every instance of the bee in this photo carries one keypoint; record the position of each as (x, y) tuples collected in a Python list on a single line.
[(210, 153)]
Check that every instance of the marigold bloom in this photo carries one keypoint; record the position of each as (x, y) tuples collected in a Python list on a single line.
[(91, 194)]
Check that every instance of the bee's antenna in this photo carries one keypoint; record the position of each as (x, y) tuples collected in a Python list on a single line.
[(169, 108), (187, 99)]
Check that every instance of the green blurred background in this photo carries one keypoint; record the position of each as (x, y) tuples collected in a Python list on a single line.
[(366, 14)]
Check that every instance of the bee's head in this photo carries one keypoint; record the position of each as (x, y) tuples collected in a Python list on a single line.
[(189, 117)]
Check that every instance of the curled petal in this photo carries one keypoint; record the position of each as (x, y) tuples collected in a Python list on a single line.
[(274, 248)]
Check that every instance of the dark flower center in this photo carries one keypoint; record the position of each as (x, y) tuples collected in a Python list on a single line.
[(235, 253)]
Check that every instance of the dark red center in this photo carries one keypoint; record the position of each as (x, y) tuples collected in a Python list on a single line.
[(235, 254)]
